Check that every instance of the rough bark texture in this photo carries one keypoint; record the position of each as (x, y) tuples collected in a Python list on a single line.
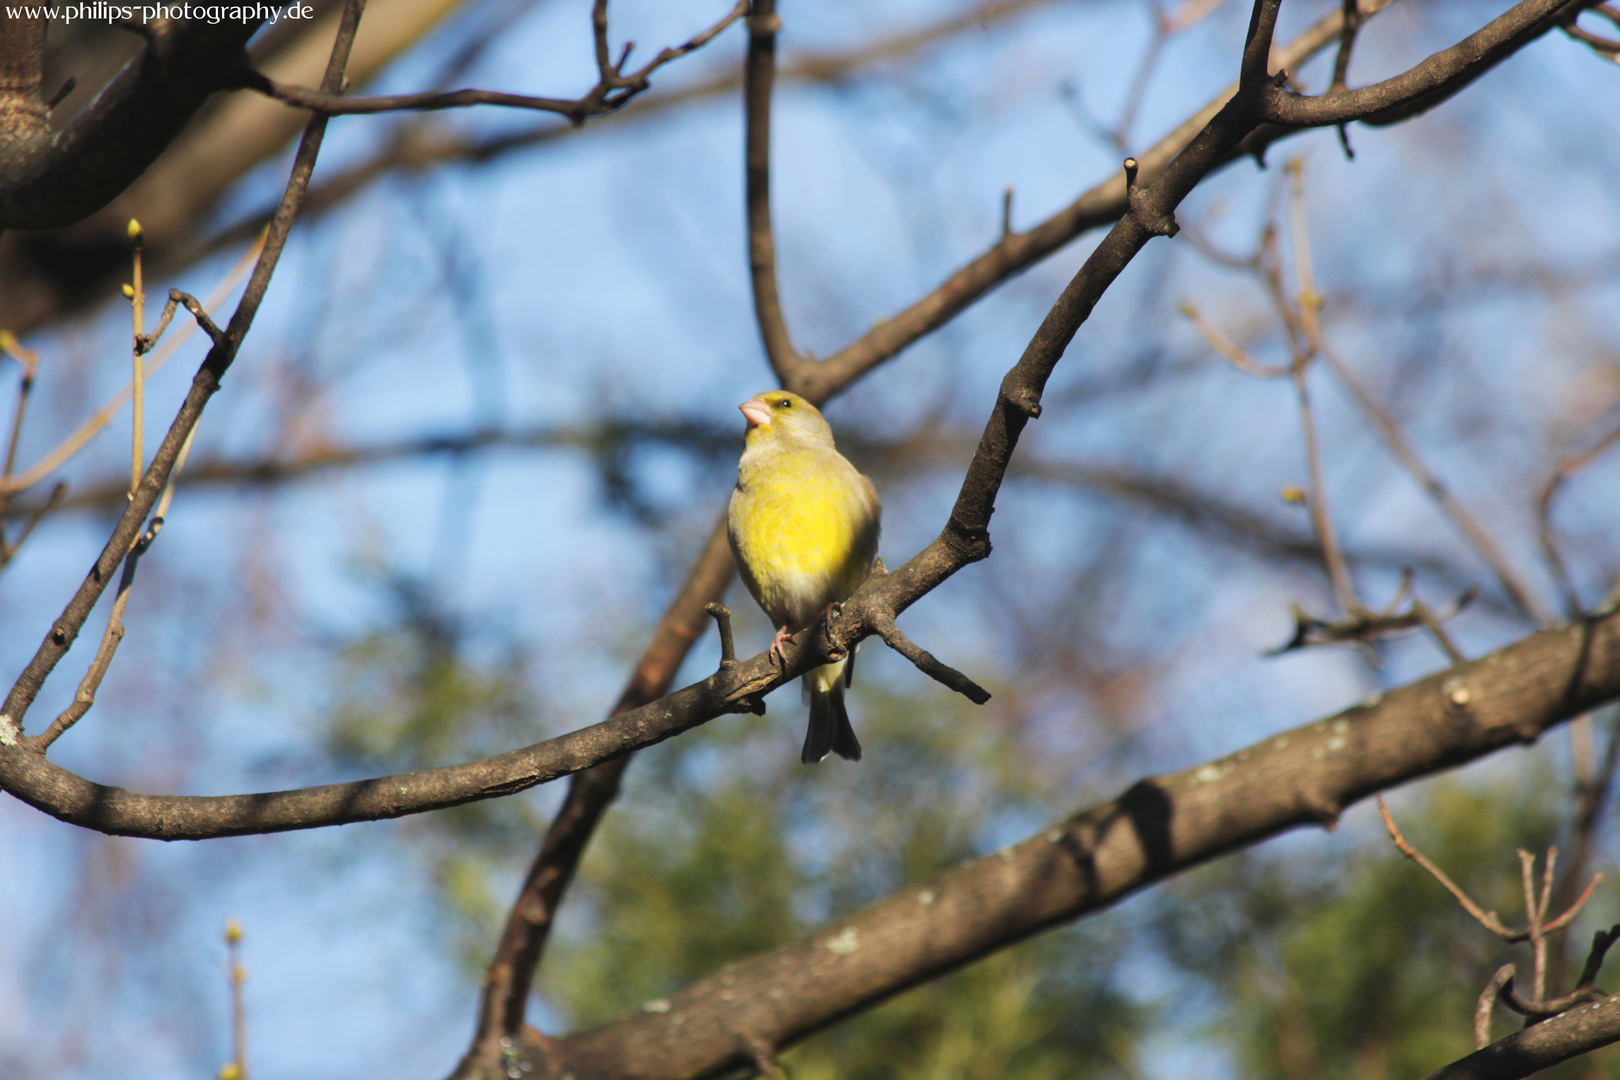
[(51, 179)]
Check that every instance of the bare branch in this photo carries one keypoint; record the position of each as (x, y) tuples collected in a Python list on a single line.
[(110, 639), (940, 673), (1369, 625), (1571, 1034), (1566, 468), (759, 74), (67, 448), (1487, 919), (137, 382), (614, 88), (1516, 588), (1224, 346), (1347, 42), (1317, 501)]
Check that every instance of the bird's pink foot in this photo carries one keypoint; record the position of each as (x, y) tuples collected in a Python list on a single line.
[(782, 635)]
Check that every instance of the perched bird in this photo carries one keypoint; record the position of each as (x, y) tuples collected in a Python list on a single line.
[(804, 530)]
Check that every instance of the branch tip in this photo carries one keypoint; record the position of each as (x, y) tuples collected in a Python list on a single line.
[(925, 661)]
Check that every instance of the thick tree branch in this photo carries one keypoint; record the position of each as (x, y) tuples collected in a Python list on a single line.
[(52, 179), (1160, 826)]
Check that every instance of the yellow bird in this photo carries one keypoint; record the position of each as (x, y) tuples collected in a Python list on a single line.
[(804, 530)]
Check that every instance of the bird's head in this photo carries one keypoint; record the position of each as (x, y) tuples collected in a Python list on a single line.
[(783, 418)]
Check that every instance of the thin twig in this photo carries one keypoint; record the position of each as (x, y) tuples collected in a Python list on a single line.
[(65, 450), (1487, 1001), (1309, 319), (1369, 625), (1566, 468), (85, 697), (1538, 938), (1487, 919), (1224, 346), (1514, 585), (29, 360), (613, 90), (10, 550), (1437, 630), (1601, 941), (237, 974), (137, 301), (895, 639), (1316, 503), (1347, 42)]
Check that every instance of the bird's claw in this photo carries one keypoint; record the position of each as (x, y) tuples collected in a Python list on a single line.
[(781, 638)]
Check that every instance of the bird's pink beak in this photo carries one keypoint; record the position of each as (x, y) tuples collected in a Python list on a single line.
[(756, 412)]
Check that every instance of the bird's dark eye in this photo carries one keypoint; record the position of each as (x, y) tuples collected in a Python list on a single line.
[(785, 404)]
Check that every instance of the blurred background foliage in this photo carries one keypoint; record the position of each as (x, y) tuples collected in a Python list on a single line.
[(487, 418)]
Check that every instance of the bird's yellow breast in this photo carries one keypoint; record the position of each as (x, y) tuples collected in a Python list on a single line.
[(803, 532)]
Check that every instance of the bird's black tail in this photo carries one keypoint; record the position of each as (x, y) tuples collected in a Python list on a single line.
[(829, 732)]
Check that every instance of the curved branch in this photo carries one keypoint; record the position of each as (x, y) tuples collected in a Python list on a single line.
[(1431, 82)]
